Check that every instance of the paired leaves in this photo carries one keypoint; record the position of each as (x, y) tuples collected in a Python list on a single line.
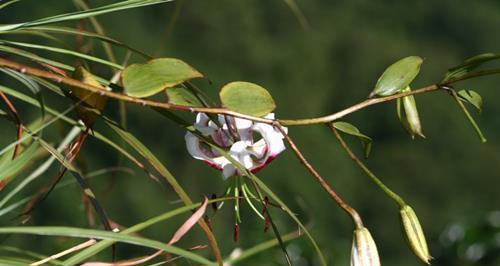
[(247, 98), (354, 131), (397, 76), (144, 80)]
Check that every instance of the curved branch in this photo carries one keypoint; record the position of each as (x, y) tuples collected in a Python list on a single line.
[(164, 105)]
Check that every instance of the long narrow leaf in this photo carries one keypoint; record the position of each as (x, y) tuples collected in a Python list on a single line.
[(29, 83), (70, 121), (99, 234), (156, 163), (130, 139), (8, 3), (41, 169), (34, 57), (67, 30), (63, 51), (91, 251), (82, 14), (11, 168)]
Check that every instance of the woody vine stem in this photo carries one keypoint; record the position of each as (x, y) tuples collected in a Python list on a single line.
[(328, 119)]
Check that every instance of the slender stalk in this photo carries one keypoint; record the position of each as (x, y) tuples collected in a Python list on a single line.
[(468, 115), (365, 169), (342, 204), (19, 124), (19, 134), (369, 102)]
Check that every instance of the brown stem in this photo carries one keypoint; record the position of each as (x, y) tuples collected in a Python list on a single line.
[(354, 108), (19, 124), (19, 134), (163, 105), (342, 204)]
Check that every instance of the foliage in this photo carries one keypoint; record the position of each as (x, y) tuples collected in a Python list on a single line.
[(102, 90)]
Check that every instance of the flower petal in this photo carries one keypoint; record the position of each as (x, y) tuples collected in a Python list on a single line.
[(204, 124)]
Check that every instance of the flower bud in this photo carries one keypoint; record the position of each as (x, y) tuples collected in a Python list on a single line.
[(411, 119), (415, 234), (364, 251)]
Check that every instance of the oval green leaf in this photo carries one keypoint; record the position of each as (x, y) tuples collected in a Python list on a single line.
[(397, 76), (143, 80), (354, 131), (247, 98)]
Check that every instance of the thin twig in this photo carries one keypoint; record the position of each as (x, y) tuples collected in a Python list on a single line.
[(342, 204), (19, 134), (164, 105), (468, 115), (365, 169), (19, 124)]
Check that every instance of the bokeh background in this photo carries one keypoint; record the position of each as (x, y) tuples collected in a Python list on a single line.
[(450, 178)]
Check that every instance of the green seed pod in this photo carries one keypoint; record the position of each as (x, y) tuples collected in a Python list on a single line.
[(411, 119), (364, 251), (415, 234)]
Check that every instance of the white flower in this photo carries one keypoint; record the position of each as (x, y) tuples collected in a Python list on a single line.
[(364, 251), (236, 136)]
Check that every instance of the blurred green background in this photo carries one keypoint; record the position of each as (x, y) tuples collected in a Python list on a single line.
[(450, 178)]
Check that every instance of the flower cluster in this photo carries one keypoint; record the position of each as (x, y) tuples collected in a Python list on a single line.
[(254, 145)]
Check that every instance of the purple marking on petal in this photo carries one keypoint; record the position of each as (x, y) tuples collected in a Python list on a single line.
[(213, 165)]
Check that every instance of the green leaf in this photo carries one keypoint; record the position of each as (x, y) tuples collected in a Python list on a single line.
[(133, 142), (143, 80), (72, 31), (354, 131), (28, 82), (397, 76), (99, 234), (468, 116), (468, 65), (472, 97), (247, 98), (183, 96), (11, 168), (8, 3), (63, 51), (89, 252), (128, 4), (41, 169)]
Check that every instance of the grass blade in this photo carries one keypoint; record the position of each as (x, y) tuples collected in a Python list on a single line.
[(128, 4), (42, 168), (64, 51), (153, 160), (12, 168), (99, 234), (106, 39)]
